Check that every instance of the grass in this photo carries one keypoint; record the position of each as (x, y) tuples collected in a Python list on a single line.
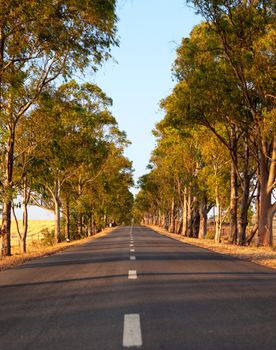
[(265, 256), (34, 235)]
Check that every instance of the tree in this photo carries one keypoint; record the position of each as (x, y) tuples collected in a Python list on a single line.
[(245, 31), (40, 41), (74, 118)]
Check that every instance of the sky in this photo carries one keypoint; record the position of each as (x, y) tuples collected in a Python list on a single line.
[(149, 33)]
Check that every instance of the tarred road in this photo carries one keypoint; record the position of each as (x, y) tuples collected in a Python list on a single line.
[(183, 297)]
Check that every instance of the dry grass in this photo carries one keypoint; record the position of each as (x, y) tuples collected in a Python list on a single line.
[(39, 251), (34, 233), (263, 255)]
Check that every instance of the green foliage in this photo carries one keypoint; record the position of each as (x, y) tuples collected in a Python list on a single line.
[(41, 41), (223, 103), (48, 237)]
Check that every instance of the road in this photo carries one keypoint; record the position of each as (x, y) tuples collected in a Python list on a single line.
[(172, 296)]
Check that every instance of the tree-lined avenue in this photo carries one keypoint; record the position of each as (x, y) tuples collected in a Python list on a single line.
[(185, 297)]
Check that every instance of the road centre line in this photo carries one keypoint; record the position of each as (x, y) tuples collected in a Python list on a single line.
[(132, 250), (132, 257), (132, 335), (132, 275)]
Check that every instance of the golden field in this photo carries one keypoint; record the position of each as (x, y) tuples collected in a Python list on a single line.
[(34, 232)]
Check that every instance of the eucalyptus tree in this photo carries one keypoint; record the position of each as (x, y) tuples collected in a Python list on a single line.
[(207, 95), (148, 200), (105, 179), (26, 170), (215, 176), (40, 41), (245, 31), (75, 119), (116, 180), (179, 152)]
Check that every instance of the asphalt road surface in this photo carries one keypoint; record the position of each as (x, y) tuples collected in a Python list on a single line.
[(136, 288)]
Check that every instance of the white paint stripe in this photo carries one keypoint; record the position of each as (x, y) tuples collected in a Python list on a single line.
[(132, 335), (132, 275), (132, 257), (131, 245), (132, 250)]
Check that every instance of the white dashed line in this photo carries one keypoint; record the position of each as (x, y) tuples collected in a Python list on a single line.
[(132, 275), (132, 250), (131, 245), (132, 257), (132, 335)]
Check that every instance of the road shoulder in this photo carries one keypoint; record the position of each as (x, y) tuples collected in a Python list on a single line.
[(19, 259), (264, 256)]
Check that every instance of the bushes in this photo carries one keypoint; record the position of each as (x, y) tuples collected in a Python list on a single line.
[(48, 237)]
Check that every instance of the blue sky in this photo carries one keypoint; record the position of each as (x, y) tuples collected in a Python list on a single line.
[(149, 31)]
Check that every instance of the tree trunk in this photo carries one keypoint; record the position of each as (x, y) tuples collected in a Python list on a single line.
[(218, 219), (57, 210), (267, 181), (189, 214), (172, 217), (80, 216), (92, 226), (67, 220), (156, 218), (6, 229), (243, 221), (163, 220), (80, 225), (184, 212), (26, 199), (57, 222), (232, 238), (7, 198), (195, 219), (203, 219), (271, 213)]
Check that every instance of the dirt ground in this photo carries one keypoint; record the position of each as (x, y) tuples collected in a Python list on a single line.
[(18, 259), (260, 255)]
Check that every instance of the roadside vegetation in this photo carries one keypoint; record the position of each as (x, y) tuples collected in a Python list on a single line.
[(212, 173), (60, 146), (39, 247), (265, 256)]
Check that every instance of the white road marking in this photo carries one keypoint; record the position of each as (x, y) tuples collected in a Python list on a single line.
[(131, 245), (132, 250), (132, 275), (132, 335), (132, 257)]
